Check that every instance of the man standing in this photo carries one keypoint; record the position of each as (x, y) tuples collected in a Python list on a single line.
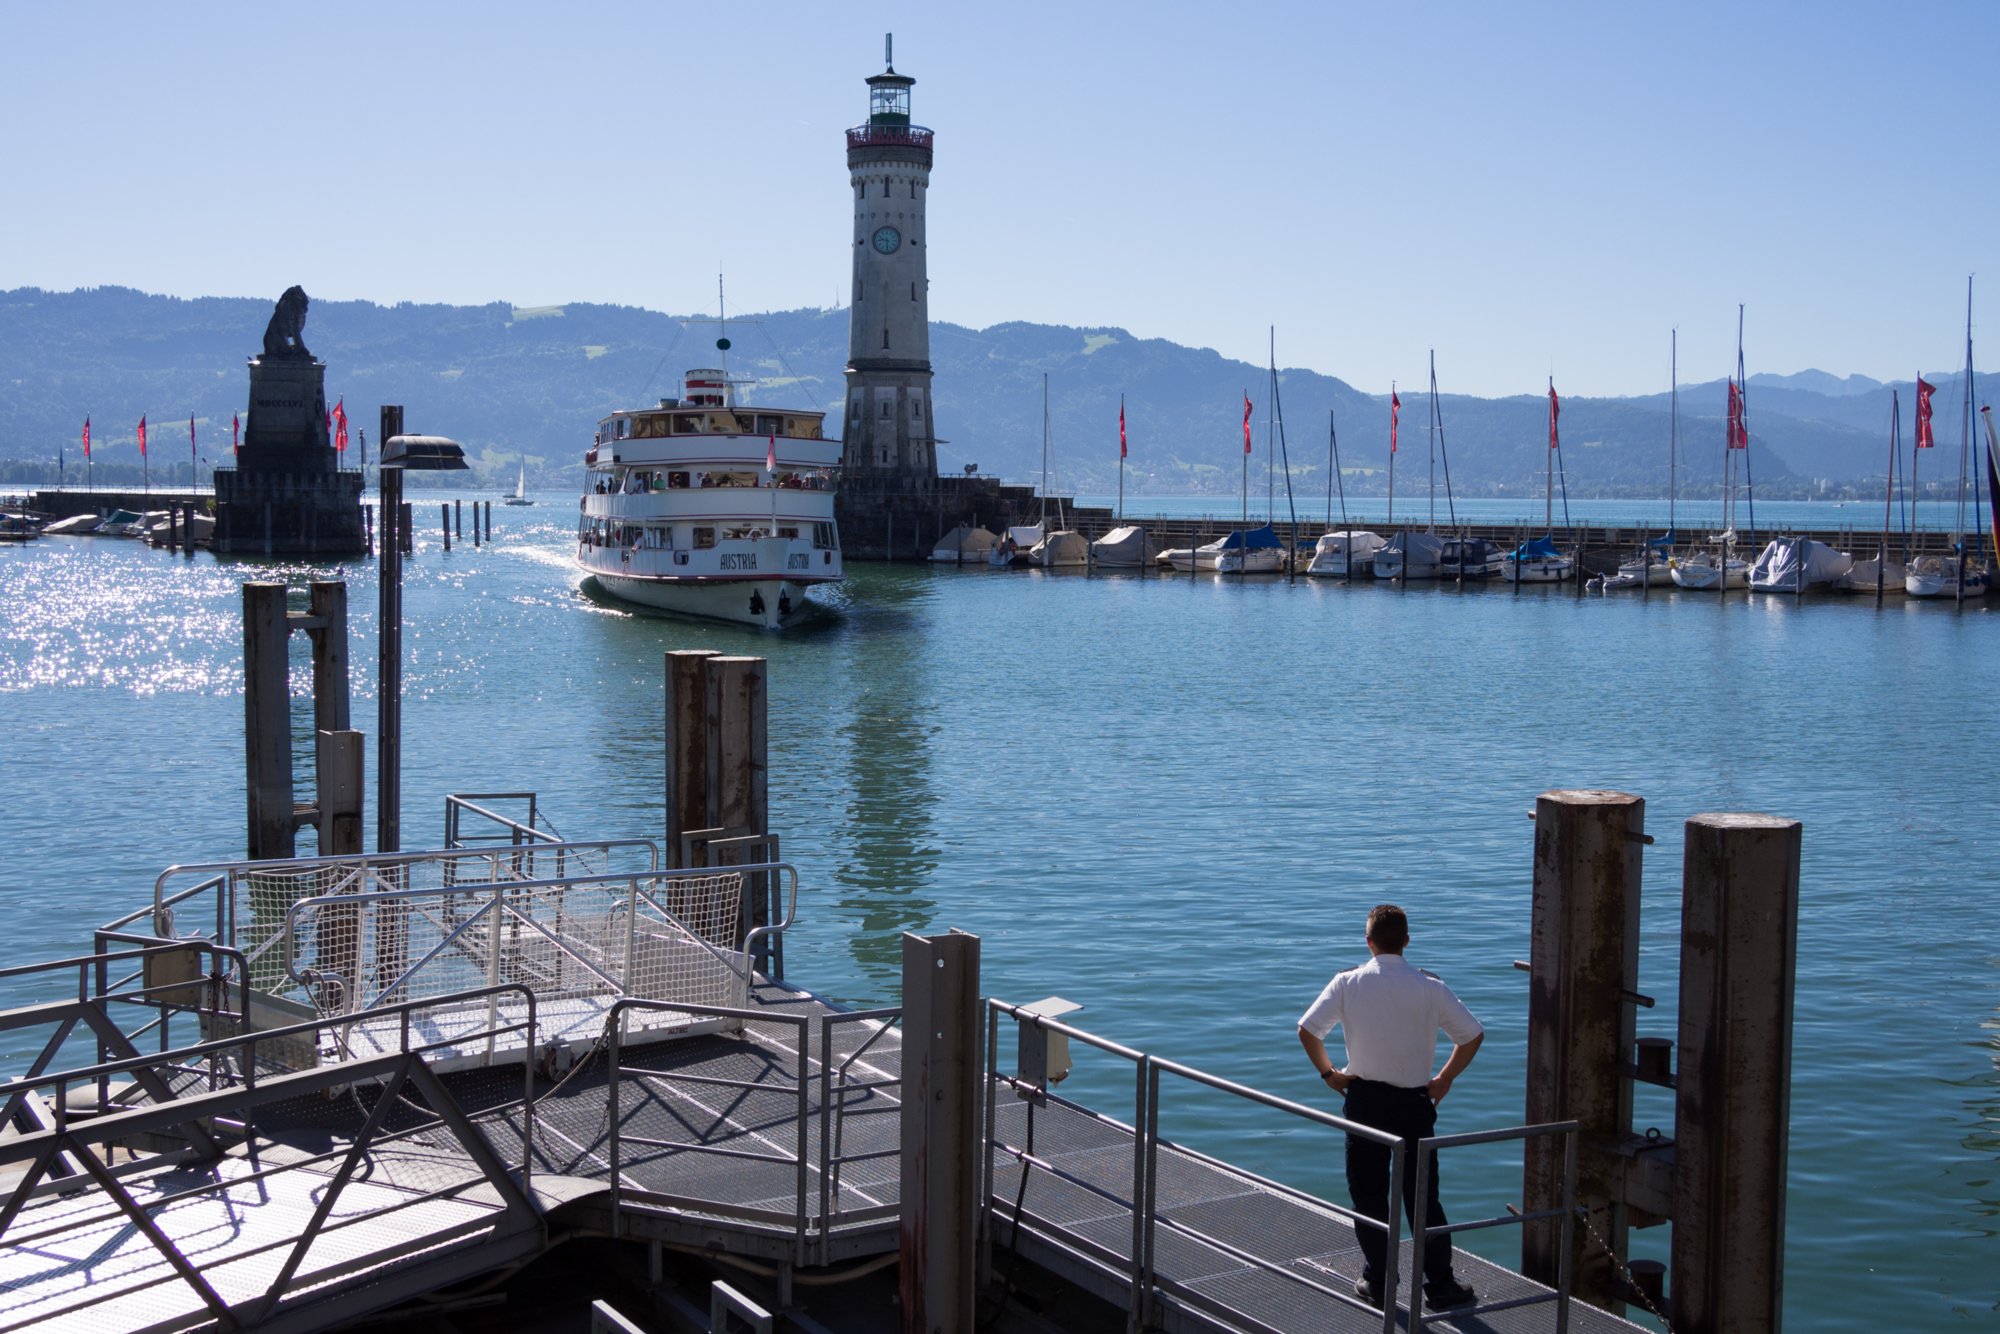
[(1390, 1013)]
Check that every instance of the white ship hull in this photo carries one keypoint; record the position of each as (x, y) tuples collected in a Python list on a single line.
[(1538, 570), (1700, 574)]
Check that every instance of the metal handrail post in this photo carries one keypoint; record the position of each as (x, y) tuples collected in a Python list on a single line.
[(825, 1138), (992, 1131), (614, 1077), (805, 1103), (1568, 1231), (1392, 1252), (1145, 1150)]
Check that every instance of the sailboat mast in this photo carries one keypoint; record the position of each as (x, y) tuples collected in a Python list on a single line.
[(1121, 461), (1549, 468), (1271, 435), (1434, 441), (1673, 426), (1044, 520), (1333, 471), (1889, 487), (1965, 442)]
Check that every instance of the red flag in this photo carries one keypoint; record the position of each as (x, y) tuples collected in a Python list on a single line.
[(1925, 438), (340, 424), (771, 454), (142, 437), (191, 445), (235, 432), (1395, 410), (1246, 423), (1739, 434), (86, 437), (1555, 411), (1121, 428)]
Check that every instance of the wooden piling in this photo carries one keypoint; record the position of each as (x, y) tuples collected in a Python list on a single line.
[(444, 524), (458, 519), (738, 750), (331, 694), (267, 723), (1739, 963), (337, 780), (686, 745), (1584, 961), (940, 1141)]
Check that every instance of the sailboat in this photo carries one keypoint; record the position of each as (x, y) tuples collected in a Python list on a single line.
[(1128, 546), (1959, 575), (1411, 554), (520, 496), (1653, 562), (1880, 575), (1722, 569), (1064, 546), (1538, 562), (1345, 552)]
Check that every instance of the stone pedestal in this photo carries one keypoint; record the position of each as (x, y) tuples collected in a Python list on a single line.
[(287, 494)]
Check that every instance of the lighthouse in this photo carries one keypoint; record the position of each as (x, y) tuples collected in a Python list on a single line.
[(889, 437)]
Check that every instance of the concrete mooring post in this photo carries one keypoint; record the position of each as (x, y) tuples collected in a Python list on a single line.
[(1732, 1113), (940, 1180)]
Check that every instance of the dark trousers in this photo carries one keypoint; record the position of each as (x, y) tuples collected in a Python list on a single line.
[(1411, 1114)]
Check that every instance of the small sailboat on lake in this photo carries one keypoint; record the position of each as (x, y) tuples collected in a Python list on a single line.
[(1538, 562), (1961, 574), (520, 496), (1722, 569)]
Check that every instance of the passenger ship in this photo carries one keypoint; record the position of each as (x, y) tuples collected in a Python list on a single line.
[(705, 507)]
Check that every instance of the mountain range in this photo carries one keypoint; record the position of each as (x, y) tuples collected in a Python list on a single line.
[(519, 384)]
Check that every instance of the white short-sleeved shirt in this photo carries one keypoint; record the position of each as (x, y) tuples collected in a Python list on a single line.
[(1389, 1013)]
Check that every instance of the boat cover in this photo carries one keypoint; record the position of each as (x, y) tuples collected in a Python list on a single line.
[(1417, 548), (75, 523), (1129, 545), (1541, 548), (1780, 564), (1256, 539), (1358, 541), (1064, 548), (973, 543), (1665, 542), (1026, 536)]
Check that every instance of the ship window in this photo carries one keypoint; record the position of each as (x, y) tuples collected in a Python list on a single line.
[(788, 532), (704, 538), (769, 425), (687, 424), (623, 426), (823, 535)]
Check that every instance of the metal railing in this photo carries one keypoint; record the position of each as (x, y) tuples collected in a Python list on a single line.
[(1140, 1268), (641, 1165), (1421, 1237), (52, 1160)]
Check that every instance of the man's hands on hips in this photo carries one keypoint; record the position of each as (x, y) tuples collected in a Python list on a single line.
[(1438, 1087)]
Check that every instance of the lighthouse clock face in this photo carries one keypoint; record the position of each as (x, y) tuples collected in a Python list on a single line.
[(887, 239)]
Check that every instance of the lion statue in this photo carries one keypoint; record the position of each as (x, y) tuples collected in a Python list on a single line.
[(284, 336)]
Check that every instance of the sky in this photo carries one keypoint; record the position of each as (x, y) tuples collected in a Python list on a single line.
[(1532, 190)]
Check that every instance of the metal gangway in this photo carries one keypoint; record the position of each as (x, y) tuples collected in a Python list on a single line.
[(287, 1094)]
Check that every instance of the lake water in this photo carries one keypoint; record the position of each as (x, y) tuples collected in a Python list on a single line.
[(1172, 801)]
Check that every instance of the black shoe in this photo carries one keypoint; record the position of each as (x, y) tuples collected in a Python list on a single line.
[(1369, 1291), (1449, 1296)]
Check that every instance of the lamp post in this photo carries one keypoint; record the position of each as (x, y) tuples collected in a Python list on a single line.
[(420, 453)]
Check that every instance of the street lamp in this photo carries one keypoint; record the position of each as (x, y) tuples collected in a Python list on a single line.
[(419, 453)]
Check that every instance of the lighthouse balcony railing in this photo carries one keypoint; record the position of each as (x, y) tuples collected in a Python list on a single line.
[(889, 136)]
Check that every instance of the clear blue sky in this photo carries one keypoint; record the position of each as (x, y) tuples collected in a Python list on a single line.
[(1530, 189)]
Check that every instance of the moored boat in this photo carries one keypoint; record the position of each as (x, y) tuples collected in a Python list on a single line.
[(1347, 554), (1794, 564), (1470, 558), (707, 507), (1409, 555), (1128, 547), (964, 545)]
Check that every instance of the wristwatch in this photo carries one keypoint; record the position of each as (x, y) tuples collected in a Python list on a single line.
[(1326, 1073)]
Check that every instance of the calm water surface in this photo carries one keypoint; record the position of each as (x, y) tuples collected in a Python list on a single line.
[(1173, 802)]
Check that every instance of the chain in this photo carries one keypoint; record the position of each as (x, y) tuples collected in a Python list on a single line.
[(1631, 1284)]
